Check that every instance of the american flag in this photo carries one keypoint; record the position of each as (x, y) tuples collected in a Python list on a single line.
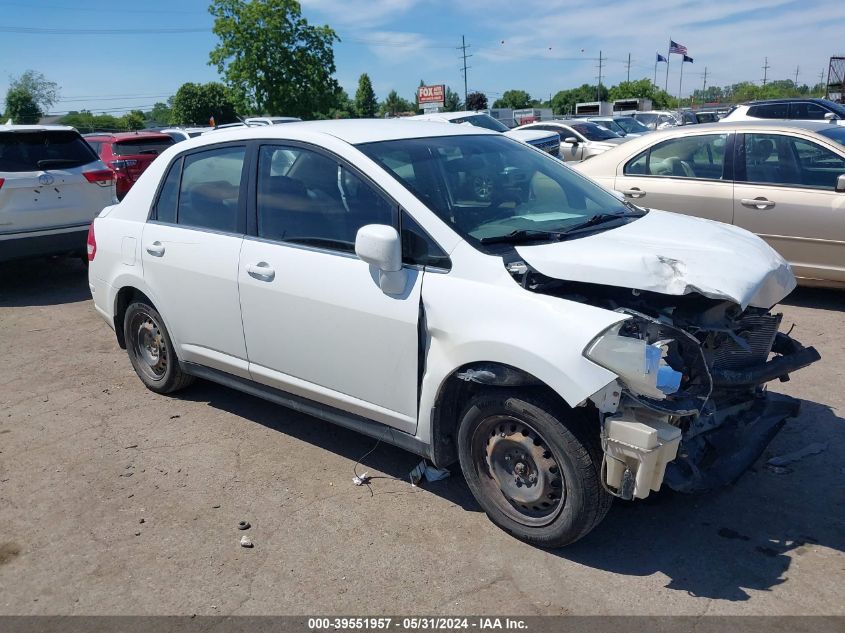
[(679, 49)]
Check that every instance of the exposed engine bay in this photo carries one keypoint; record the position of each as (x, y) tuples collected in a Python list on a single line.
[(690, 407)]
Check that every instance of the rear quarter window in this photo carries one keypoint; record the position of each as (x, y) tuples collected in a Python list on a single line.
[(43, 150)]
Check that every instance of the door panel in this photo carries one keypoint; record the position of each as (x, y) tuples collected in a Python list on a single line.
[(190, 255), (683, 175), (325, 330), (194, 275), (799, 215)]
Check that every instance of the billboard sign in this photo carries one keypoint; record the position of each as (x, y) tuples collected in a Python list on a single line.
[(432, 96)]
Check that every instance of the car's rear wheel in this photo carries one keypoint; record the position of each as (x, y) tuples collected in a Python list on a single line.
[(151, 350), (533, 466)]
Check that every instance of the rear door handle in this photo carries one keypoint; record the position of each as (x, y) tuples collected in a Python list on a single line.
[(633, 192), (758, 203), (156, 249), (261, 271)]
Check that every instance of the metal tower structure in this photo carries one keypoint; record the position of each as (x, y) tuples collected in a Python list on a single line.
[(836, 79)]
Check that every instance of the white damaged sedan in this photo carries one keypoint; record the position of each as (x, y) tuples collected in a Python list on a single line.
[(563, 346)]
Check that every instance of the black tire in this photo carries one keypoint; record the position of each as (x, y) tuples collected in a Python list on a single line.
[(151, 350), (505, 437)]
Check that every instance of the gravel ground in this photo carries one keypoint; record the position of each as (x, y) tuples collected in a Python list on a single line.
[(114, 500)]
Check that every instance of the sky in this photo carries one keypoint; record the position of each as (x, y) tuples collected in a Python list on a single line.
[(540, 46)]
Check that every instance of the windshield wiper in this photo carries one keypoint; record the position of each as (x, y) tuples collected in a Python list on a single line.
[(530, 235), (522, 235), (600, 218)]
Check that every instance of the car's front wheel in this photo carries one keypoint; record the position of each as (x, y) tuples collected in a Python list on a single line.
[(533, 466), (151, 350)]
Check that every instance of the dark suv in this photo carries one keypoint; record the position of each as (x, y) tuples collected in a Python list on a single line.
[(128, 154), (801, 109)]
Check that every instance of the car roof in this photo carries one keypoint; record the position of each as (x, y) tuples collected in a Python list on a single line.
[(784, 99), (37, 128), (352, 131), (444, 116), (121, 136)]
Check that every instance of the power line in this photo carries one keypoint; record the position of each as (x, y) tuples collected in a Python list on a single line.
[(141, 31), (76, 9)]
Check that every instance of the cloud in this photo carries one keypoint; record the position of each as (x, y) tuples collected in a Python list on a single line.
[(360, 12)]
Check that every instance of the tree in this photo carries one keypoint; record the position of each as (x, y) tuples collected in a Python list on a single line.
[(451, 101), (272, 59), (476, 101), (366, 103), (195, 104), (394, 104), (514, 99), (160, 114), (563, 102), (133, 120), (21, 107), (642, 89), (417, 97), (45, 93)]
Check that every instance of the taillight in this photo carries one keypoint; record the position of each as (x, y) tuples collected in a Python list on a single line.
[(92, 243), (102, 177), (2, 180), (123, 163)]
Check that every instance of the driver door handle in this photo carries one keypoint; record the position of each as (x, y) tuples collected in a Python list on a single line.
[(633, 192), (757, 203), (261, 271), (156, 249)]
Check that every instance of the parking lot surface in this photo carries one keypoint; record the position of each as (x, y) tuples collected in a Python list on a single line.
[(114, 500)]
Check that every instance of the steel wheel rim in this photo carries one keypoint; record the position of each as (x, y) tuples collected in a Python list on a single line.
[(515, 463), (148, 345)]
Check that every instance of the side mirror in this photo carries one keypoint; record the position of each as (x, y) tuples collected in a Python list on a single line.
[(379, 245), (831, 116), (840, 184), (571, 140)]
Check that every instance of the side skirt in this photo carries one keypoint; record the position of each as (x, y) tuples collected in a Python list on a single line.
[(357, 423)]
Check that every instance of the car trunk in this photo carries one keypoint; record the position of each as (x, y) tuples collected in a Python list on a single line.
[(132, 157), (44, 185)]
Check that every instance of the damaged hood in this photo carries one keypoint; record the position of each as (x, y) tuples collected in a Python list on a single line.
[(671, 254)]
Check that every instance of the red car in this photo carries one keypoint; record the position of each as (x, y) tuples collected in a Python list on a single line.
[(128, 154)]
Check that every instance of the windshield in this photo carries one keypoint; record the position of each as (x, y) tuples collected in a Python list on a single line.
[(482, 120), (490, 186), (647, 118), (631, 125), (835, 133), (610, 124), (592, 132)]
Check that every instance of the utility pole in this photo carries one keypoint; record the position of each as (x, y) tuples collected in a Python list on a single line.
[(463, 48), (765, 71), (797, 68), (821, 80), (598, 88), (629, 68), (704, 89)]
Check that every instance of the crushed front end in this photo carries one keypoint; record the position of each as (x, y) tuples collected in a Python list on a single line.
[(690, 407)]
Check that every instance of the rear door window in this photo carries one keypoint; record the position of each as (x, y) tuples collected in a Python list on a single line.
[(770, 111), (210, 190), (43, 150)]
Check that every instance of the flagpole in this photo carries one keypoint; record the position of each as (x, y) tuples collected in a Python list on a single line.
[(681, 83), (655, 70), (668, 57)]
